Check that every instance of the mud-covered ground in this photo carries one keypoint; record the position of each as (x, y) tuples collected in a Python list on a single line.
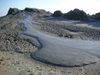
[(71, 30), (15, 51)]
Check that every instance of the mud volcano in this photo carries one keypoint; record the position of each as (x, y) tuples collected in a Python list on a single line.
[(59, 51)]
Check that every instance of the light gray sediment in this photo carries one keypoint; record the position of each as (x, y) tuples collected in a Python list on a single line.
[(60, 51)]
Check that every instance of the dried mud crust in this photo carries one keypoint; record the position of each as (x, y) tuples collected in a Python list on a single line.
[(12, 63), (71, 54), (71, 31), (9, 32)]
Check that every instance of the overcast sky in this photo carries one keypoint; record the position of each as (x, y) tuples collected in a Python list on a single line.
[(89, 6)]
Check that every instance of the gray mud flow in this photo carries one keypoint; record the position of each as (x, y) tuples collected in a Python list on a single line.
[(59, 51)]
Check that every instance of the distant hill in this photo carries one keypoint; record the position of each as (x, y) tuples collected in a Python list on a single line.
[(75, 14)]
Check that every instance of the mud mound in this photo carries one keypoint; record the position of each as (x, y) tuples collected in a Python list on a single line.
[(57, 14), (76, 14), (13, 11), (97, 16)]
